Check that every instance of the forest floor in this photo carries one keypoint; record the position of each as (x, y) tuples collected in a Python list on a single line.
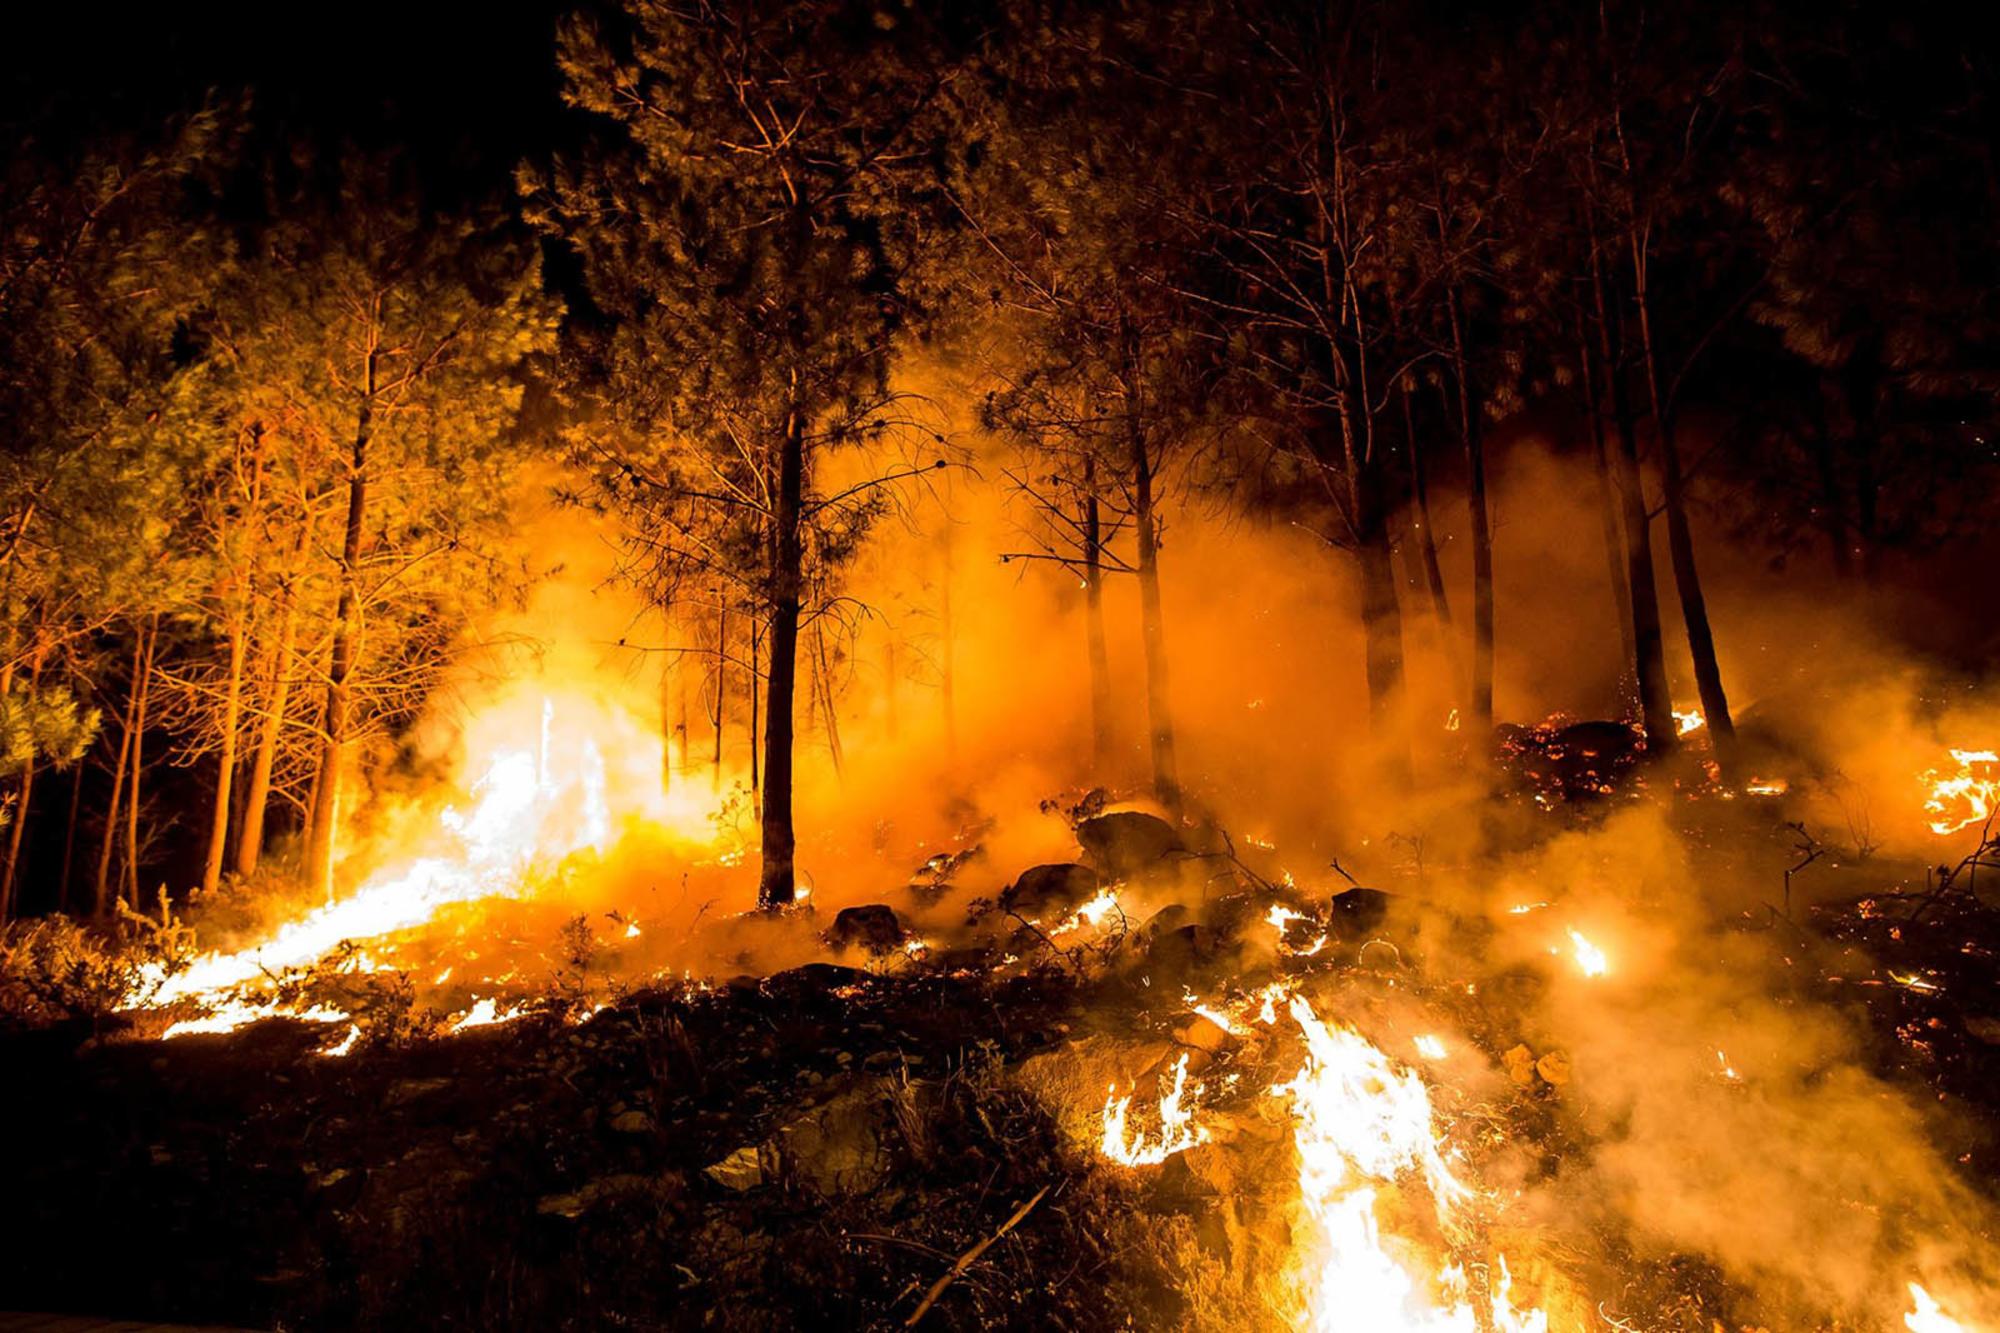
[(816, 1148)]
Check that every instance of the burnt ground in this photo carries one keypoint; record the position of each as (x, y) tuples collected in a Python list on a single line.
[(813, 1149), (551, 1174)]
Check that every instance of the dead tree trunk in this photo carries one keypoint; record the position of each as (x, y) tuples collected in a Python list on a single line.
[(777, 881)]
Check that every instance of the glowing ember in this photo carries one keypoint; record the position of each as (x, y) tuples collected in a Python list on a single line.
[(1767, 786), (1929, 1317), (1178, 1129), (1967, 797), (1588, 956), (1688, 720), (1430, 1047)]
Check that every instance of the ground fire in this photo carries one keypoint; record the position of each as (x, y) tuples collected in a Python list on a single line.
[(1000, 665)]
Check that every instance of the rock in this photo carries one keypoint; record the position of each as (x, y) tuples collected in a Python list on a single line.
[(1047, 889), (838, 1146), (1554, 1068), (1126, 843), (1174, 955), (606, 1189), (632, 1122), (874, 928), (1520, 1063), (741, 1170), (405, 1090), (1357, 913), (1204, 1034)]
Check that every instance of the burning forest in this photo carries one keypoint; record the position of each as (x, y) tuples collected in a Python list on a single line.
[(1254, 666)]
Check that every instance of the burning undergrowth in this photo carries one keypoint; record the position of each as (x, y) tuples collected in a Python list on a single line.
[(1174, 1081)]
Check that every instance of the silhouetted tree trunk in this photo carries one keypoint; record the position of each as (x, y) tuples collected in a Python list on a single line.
[(1609, 524), (721, 689), (1471, 434), (1093, 620), (69, 837), (1159, 706), (776, 885), (1656, 711), (1680, 538), (1420, 500), (346, 648)]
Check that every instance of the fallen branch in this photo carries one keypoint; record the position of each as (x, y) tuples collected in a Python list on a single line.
[(971, 1257)]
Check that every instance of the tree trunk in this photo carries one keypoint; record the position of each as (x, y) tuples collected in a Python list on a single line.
[(1093, 618), (101, 894), (14, 836), (1471, 434), (250, 840), (721, 689), (145, 690), (948, 651), (669, 669), (346, 646), (20, 824), (756, 705), (776, 885), (1607, 516), (69, 837), (1159, 706), (1649, 665), (1680, 539), (232, 704), (1420, 500)]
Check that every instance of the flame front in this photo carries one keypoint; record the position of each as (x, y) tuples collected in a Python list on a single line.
[(1929, 1317), (530, 809), (1959, 800)]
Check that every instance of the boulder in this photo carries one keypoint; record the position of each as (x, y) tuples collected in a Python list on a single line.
[(1175, 956), (874, 928), (1126, 843), (1358, 913), (1042, 890)]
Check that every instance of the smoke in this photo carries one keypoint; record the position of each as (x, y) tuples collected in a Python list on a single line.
[(1718, 1103)]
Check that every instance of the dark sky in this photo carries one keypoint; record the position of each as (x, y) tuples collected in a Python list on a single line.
[(468, 86)]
